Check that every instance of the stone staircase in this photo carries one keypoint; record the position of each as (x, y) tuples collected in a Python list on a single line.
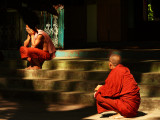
[(72, 76)]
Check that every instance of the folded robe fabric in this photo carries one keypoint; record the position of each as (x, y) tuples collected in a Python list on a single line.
[(120, 93), (29, 52)]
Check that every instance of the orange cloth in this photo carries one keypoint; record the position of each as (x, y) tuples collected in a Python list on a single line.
[(28, 52), (120, 93)]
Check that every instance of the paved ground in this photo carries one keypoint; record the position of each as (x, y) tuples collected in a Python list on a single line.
[(10, 110), (42, 111), (145, 115)]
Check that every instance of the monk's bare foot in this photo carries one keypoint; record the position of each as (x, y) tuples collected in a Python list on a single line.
[(36, 68), (29, 59), (117, 116), (28, 68)]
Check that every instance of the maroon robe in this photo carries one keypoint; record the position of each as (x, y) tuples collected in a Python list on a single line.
[(29, 52), (120, 93)]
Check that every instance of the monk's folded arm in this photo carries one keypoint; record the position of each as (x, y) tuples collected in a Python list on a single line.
[(27, 41), (36, 42)]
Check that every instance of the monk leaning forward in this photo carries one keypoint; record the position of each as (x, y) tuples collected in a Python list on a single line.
[(41, 48), (120, 93)]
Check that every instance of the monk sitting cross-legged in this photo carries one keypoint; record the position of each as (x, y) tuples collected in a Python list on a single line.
[(41, 48), (120, 93)]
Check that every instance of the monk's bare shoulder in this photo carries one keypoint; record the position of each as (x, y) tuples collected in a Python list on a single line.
[(40, 37)]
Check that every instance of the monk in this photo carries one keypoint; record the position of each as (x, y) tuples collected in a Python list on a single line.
[(120, 92), (41, 48)]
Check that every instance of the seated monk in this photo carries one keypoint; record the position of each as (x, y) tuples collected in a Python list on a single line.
[(120, 92), (41, 48)]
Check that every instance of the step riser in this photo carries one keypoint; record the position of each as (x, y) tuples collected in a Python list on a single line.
[(100, 65), (49, 85), (94, 65), (52, 74), (149, 104), (149, 91), (13, 64), (48, 97), (147, 78), (142, 78), (95, 53), (143, 66), (104, 53), (61, 62), (63, 98), (83, 86), (76, 65)]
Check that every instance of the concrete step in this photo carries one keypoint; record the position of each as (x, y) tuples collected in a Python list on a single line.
[(13, 64), (149, 65), (144, 60), (143, 65), (48, 96), (152, 78), (142, 115), (16, 110), (86, 64), (94, 53), (67, 86), (77, 64), (147, 103), (55, 74), (60, 64), (31, 110), (102, 64), (104, 53)]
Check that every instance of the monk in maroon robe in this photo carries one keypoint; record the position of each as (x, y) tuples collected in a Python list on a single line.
[(41, 48), (120, 93)]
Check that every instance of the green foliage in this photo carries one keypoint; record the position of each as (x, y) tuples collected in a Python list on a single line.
[(150, 13)]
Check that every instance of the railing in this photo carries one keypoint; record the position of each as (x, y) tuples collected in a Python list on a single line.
[(54, 26), (13, 34)]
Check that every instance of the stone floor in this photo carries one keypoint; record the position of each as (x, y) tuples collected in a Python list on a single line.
[(10, 110), (145, 115)]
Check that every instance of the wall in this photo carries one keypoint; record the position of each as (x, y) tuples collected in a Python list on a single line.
[(92, 23), (109, 20)]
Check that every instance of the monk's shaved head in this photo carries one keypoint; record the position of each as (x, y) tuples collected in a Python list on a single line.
[(115, 59)]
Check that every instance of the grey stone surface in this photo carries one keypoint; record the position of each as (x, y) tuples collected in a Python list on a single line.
[(24, 110)]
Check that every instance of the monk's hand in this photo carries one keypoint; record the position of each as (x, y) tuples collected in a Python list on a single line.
[(98, 86), (30, 31)]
